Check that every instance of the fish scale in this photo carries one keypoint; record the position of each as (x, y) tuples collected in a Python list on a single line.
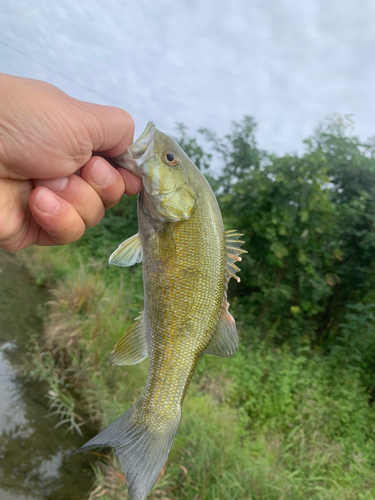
[(191, 328), (187, 261)]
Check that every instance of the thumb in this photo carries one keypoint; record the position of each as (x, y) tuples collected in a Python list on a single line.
[(110, 129)]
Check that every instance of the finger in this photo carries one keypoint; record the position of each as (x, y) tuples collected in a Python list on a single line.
[(104, 179), (83, 198), (35, 236), (14, 213), (111, 129), (55, 216), (133, 184)]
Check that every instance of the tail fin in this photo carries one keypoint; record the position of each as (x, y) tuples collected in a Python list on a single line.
[(141, 451)]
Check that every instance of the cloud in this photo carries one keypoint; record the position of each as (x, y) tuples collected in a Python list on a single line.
[(205, 62)]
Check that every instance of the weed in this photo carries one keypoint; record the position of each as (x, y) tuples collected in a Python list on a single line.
[(268, 424)]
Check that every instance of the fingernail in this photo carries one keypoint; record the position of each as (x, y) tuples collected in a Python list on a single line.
[(101, 173), (54, 184), (47, 202)]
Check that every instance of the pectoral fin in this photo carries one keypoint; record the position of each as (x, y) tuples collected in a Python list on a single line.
[(128, 253), (132, 347), (224, 342)]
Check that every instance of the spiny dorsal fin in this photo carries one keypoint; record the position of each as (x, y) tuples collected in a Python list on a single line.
[(225, 338), (132, 347), (224, 342), (128, 253), (233, 252)]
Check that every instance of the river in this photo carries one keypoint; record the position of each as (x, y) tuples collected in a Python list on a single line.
[(34, 455)]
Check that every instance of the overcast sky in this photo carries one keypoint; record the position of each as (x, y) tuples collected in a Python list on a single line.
[(203, 62)]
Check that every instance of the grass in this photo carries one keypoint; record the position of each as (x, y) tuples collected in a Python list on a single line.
[(268, 424)]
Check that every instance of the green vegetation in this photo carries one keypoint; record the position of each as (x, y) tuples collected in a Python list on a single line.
[(291, 415)]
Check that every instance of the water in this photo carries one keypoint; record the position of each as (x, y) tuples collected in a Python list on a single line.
[(34, 456)]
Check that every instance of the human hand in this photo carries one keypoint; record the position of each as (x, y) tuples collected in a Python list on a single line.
[(45, 137)]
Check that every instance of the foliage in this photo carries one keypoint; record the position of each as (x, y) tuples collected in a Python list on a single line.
[(268, 424), (350, 165), (356, 343)]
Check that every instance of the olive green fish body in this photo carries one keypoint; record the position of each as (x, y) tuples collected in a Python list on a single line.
[(184, 291), (188, 259)]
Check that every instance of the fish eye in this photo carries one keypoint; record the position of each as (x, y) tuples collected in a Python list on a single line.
[(171, 158)]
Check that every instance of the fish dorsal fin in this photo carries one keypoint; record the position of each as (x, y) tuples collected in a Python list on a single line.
[(233, 252), (132, 347), (224, 342), (225, 338), (128, 253)]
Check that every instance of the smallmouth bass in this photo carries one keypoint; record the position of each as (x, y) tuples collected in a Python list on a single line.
[(188, 259)]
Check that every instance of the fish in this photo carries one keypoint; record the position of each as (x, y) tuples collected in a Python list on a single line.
[(187, 261)]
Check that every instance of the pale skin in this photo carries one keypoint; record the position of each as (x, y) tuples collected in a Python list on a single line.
[(46, 137)]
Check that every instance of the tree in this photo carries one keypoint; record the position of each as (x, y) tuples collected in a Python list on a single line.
[(309, 224)]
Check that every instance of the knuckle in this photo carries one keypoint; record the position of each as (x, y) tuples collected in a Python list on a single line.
[(95, 218), (70, 234), (113, 197), (94, 209), (65, 227)]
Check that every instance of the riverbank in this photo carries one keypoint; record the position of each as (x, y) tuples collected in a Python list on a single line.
[(268, 424), (34, 449)]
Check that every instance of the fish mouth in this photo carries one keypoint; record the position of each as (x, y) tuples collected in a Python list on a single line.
[(144, 141), (139, 152)]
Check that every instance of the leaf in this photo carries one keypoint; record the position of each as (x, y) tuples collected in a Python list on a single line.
[(295, 309), (279, 250), (338, 254), (304, 215)]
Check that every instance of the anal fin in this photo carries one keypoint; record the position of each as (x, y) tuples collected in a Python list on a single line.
[(132, 347), (224, 342)]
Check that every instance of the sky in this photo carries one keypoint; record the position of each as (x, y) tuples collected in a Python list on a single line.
[(204, 63)]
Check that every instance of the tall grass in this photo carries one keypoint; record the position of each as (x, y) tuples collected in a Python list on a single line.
[(268, 424)]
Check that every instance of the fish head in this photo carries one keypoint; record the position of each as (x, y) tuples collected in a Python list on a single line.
[(168, 193)]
